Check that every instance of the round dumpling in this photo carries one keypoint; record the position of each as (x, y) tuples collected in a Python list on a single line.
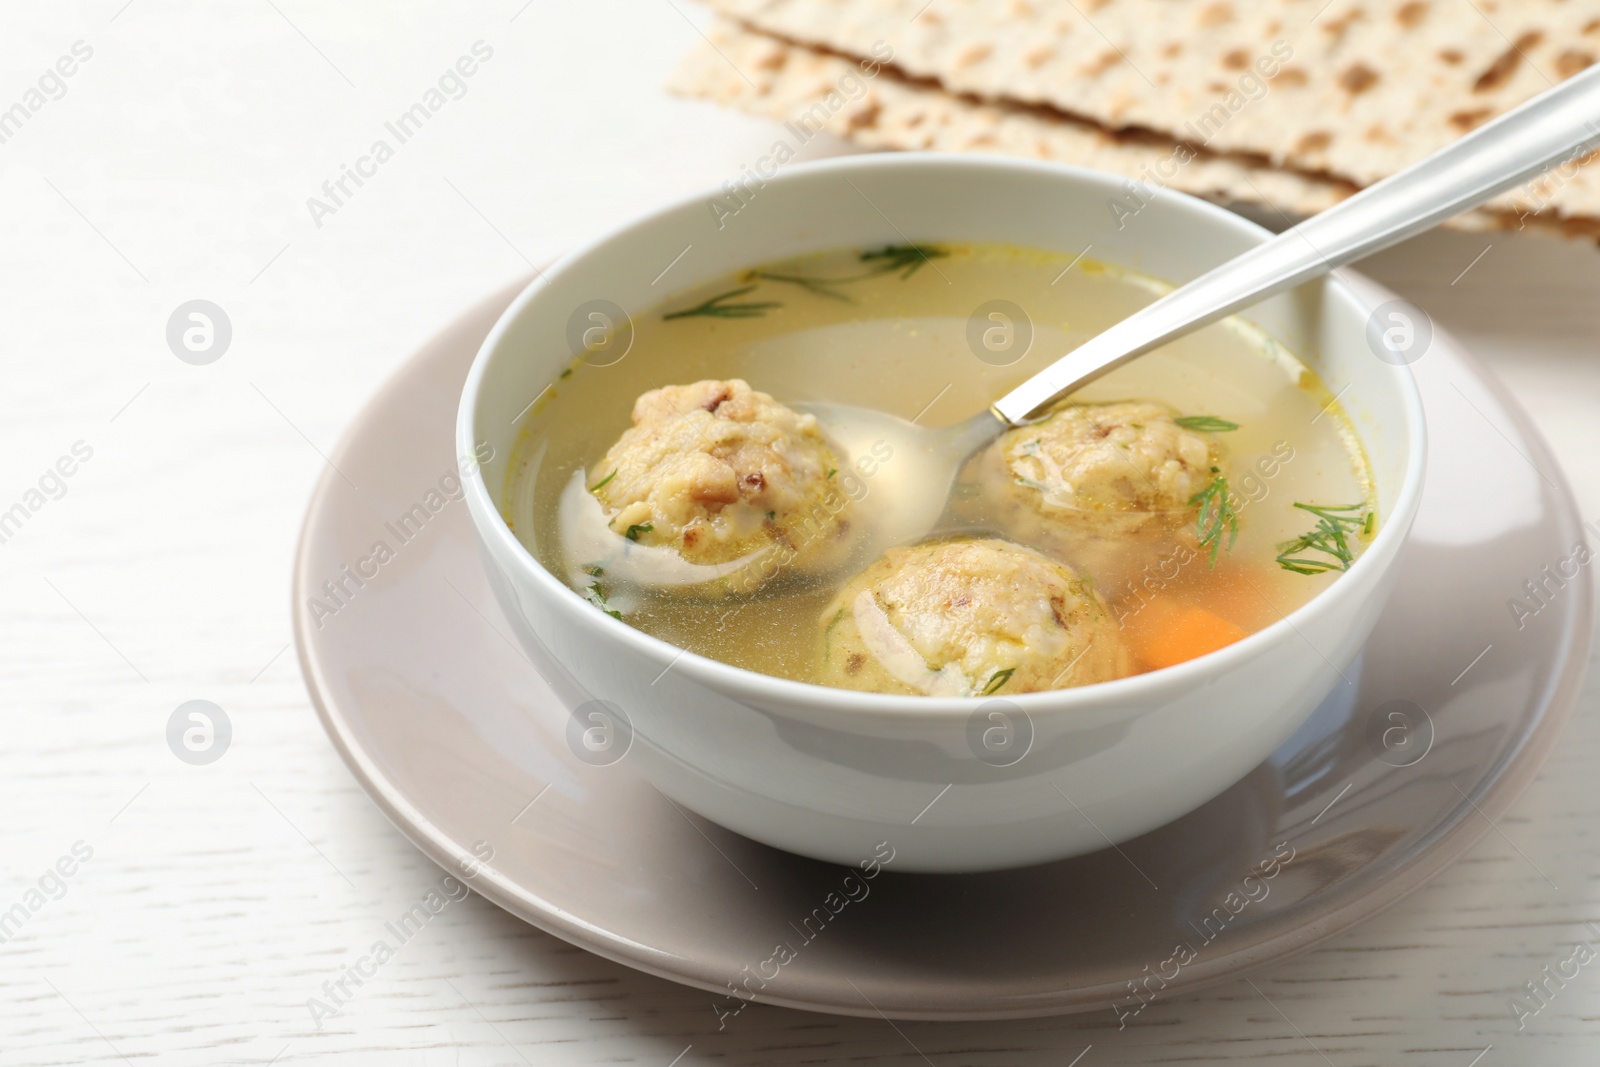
[(969, 618), (1116, 466), (1090, 477), (717, 472)]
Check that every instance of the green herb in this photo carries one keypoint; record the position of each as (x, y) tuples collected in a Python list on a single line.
[(771, 515), (638, 528), (998, 679), (1329, 538), (567, 373), (1216, 514), (596, 593), (1206, 423), (717, 307), (832, 471), (820, 286), (907, 259), (597, 486), (904, 259)]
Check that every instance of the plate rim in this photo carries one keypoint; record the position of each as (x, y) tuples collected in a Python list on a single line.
[(1451, 837)]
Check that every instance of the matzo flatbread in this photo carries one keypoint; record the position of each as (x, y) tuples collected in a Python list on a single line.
[(814, 90), (1360, 89)]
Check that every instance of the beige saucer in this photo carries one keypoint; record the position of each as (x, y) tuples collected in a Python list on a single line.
[(450, 729)]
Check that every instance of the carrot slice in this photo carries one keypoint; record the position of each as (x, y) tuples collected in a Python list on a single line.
[(1244, 593), (1164, 633)]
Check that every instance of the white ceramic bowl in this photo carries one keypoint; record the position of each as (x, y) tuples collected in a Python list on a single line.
[(830, 773)]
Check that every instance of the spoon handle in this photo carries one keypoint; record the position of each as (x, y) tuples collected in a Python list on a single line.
[(1560, 124)]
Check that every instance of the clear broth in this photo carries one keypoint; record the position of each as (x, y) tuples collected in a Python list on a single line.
[(900, 343)]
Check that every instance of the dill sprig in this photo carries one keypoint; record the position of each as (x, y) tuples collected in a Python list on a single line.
[(1330, 537), (596, 593), (820, 286), (601, 484), (1206, 424), (997, 680), (906, 258), (717, 307), (639, 528), (1217, 514)]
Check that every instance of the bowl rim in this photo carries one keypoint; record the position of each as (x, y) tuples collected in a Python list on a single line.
[(745, 684)]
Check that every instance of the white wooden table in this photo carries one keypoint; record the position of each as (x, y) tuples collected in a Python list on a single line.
[(216, 900)]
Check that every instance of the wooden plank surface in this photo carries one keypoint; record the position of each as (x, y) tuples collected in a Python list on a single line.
[(177, 164)]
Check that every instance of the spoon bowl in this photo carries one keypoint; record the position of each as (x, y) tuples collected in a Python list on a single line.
[(594, 550), (912, 467)]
